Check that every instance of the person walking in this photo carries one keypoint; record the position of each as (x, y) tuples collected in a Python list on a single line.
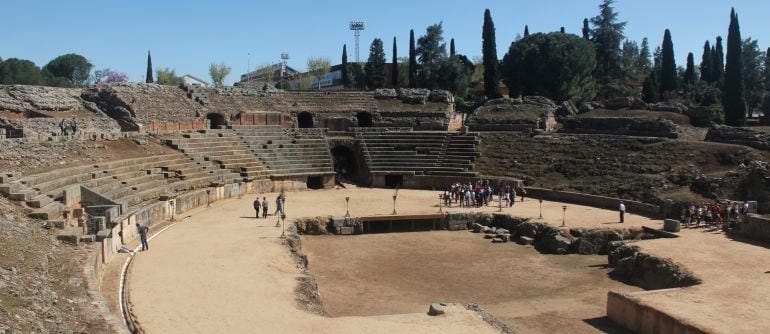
[(622, 211), (257, 206), (264, 207), (278, 205), (143, 230), (523, 193)]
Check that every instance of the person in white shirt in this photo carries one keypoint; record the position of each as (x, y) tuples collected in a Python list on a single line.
[(622, 210)]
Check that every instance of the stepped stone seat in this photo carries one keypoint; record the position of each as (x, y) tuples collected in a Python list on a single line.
[(220, 148)]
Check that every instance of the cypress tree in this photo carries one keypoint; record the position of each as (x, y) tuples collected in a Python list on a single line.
[(526, 30), (148, 78), (345, 78), (412, 61), (650, 89), (767, 70), (452, 51), (706, 63), (718, 62), (562, 30), (586, 30), (689, 73), (489, 55), (734, 98), (394, 68), (668, 65)]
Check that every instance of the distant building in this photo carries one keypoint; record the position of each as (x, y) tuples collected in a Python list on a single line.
[(260, 76), (191, 80)]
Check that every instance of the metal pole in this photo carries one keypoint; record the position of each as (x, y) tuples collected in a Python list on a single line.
[(564, 216), (394, 205), (541, 208)]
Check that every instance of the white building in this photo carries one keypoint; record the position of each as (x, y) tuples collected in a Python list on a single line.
[(191, 80)]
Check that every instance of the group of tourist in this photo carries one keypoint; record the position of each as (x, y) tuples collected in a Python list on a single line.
[(68, 127), (725, 214), (480, 194), (280, 201)]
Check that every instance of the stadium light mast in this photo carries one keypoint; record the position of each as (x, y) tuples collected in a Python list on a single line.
[(357, 27)]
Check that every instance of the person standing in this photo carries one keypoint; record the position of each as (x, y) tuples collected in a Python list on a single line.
[(278, 205), (264, 207), (143, 230), (523, 193), (257, 205), (622, 211)]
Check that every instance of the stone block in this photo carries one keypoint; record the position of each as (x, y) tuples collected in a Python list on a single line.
[(345, 230), (103, 234), (70, 235), (437, 309), (671, 225), (525, 240)]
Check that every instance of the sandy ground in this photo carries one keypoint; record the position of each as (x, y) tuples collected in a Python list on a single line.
[(223, 271), (736, 282), (530, 292)]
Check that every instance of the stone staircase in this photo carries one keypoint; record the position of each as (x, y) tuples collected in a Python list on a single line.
[(131, 182), (304, 152), (223, 148), (419, 152)]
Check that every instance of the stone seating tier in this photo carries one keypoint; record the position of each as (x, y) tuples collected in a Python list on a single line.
[(287, 155)]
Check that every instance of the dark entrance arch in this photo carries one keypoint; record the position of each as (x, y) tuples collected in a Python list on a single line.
[(216, 120), (305, 120), (345, 163), (364, 119)]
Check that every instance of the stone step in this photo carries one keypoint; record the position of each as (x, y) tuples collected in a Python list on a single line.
[(40, 201), (8, 188), (50, 211), (24, 194)]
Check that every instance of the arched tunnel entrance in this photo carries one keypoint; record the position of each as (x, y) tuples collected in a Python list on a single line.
[(345, 164), (364, 119), (305, 120), (216, 120)]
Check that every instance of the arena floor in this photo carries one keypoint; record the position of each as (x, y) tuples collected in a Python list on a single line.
[(221, 270)]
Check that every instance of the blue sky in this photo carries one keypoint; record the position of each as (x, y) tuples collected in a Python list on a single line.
[(189, 35)]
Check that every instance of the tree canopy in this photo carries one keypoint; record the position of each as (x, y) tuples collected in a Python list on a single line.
[(556, 65), (431, 52), (489, 54), (376, 74), (318, 67), (218, 73), (20, 71), (167, 76), (734, 98), (73, 67)]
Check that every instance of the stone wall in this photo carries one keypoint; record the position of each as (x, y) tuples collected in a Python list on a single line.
[(98, 127), (627, 310), (22, 98), (757, 228), (530, 113), (622, 126)]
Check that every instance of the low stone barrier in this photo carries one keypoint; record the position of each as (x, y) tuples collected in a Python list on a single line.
[(609, 203), (630, 312), (757, 228)]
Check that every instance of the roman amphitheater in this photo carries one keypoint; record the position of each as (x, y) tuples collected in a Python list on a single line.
[(366, 242)]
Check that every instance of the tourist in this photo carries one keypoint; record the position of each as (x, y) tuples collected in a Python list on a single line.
[(264, 207), (257, 205), (745, 211), (523, 193), (278, 205), (621, 210), (513, 197), (143, 235)]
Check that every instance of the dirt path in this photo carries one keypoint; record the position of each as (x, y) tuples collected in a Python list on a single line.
[(223, 271)]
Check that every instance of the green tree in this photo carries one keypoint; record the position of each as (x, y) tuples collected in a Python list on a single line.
[(526, 30), (167, 76), (586, 30), (431, 51), (412, 61), (359, 77), (73, 67), (766, 99), (452, 51), (734, 96), (668, 66), (218, 73), (706, 63), (753, 64), (394, 67), (376, 74), (345, 69), (718, 63), (630, 61), (689, 74), (16, 71), (267, 72), (489, 53), (607, 34), (318, 67), (643, 64), (650, 88), (148, 78), (555, 65)]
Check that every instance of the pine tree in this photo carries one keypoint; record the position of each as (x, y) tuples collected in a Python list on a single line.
[(526, 30), (733, 94), (148, 78), (394, 68), (667, 65), (644, 64), (376, 75), (586, 30), (607, 36), (345, 75), (489, 55), (689, 73), (718, 62), (412, 61), (452, 51), (706, 64)]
